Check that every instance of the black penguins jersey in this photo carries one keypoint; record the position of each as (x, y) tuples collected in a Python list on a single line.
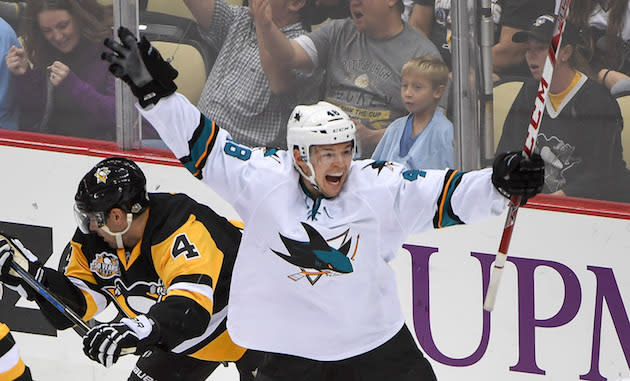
[(179, 271)]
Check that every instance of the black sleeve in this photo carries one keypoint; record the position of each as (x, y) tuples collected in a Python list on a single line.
[(173, 316), (601, 174), (66, 292)]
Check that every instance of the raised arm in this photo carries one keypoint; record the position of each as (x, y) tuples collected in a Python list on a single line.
[(281, 77), (202, 11), (280, 53)]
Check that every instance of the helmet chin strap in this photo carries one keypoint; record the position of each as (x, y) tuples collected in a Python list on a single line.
[(311, 178), (118, 235)]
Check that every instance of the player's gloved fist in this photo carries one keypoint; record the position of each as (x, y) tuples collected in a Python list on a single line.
[(141, 66), (105, 343), (13, 251), (514, 174)]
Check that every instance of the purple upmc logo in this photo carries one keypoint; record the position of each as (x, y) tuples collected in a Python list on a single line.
[(606, 291)]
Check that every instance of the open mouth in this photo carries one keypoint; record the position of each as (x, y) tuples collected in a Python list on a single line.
[(333, 179)]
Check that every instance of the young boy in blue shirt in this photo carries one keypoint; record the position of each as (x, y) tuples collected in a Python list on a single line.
[(424, 138)]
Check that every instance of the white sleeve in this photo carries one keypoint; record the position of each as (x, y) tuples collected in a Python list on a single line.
[(175, 119), (209, 153), (437, 199), (308, 45)]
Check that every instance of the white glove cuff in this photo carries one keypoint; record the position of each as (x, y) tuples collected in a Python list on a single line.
[(140, 325)]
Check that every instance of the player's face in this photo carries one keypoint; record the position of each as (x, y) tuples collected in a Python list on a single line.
[(59, 29), (115, 222), (535, 55), (418, 94), (331, 163)]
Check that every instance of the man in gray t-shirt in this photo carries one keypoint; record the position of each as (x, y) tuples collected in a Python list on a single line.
[(363, 56)]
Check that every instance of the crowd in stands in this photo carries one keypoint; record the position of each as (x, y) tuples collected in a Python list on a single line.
[(387, 63)]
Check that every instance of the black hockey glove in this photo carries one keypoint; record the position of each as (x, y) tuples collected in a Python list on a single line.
[(141, 66), (513, 174), (104, 343), (12, 250)]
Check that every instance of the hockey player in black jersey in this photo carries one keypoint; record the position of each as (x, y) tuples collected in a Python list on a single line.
[(164, 260)]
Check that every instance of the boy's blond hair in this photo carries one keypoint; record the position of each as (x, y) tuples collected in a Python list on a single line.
[(432, 67)]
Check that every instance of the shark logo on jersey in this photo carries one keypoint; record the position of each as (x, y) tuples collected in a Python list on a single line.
[(101, 175), (379, 165), (105, 265), (316, 257)]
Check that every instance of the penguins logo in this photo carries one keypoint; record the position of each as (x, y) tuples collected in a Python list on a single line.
[(105, 265), (101, 175)]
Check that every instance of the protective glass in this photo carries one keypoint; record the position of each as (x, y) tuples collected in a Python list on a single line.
[(83, 219)]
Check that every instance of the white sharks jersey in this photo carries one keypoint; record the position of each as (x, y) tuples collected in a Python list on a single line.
[(311, 277)]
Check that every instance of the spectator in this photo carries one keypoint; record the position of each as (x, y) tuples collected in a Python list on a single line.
[(237, 94), (362, 55), (580, 133), (8, 108), (330, 9), (68, 90), (11, 365), (510, 16), (340, 9), (424, 138), (608, 25)]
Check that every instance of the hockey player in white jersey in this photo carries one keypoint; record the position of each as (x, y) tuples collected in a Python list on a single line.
[(311, 283)]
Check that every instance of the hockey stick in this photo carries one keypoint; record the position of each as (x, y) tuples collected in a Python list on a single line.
[(58, 304), (528, 148)]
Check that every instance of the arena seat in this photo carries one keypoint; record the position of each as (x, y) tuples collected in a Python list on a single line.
[(170, 7), (504, 93), (624, 104), (189, 62)]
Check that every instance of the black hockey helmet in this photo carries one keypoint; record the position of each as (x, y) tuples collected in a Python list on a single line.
[(115, 182)]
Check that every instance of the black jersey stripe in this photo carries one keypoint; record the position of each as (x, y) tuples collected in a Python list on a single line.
[(193, 278), (444, 216), (6, 344), (222, 327), (200, 146)]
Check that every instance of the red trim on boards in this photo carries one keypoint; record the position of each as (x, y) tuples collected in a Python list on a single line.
[(577, 205), (81, 146), (99, 148)]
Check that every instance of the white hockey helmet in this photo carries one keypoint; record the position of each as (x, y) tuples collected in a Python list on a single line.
[(318, 124)]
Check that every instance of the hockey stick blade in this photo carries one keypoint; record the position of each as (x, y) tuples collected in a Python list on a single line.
[(59, 305), (528, 149)]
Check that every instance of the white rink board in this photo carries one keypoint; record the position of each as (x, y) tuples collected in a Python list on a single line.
[(38, 189)]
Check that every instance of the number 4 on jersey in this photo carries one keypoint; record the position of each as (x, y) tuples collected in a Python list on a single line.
[(181, 245)]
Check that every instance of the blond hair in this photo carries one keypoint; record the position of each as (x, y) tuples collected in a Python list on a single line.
[(432, 67)]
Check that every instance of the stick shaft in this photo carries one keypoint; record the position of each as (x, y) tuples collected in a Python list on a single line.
[(58, 304), (528, 148), (52, 299)]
